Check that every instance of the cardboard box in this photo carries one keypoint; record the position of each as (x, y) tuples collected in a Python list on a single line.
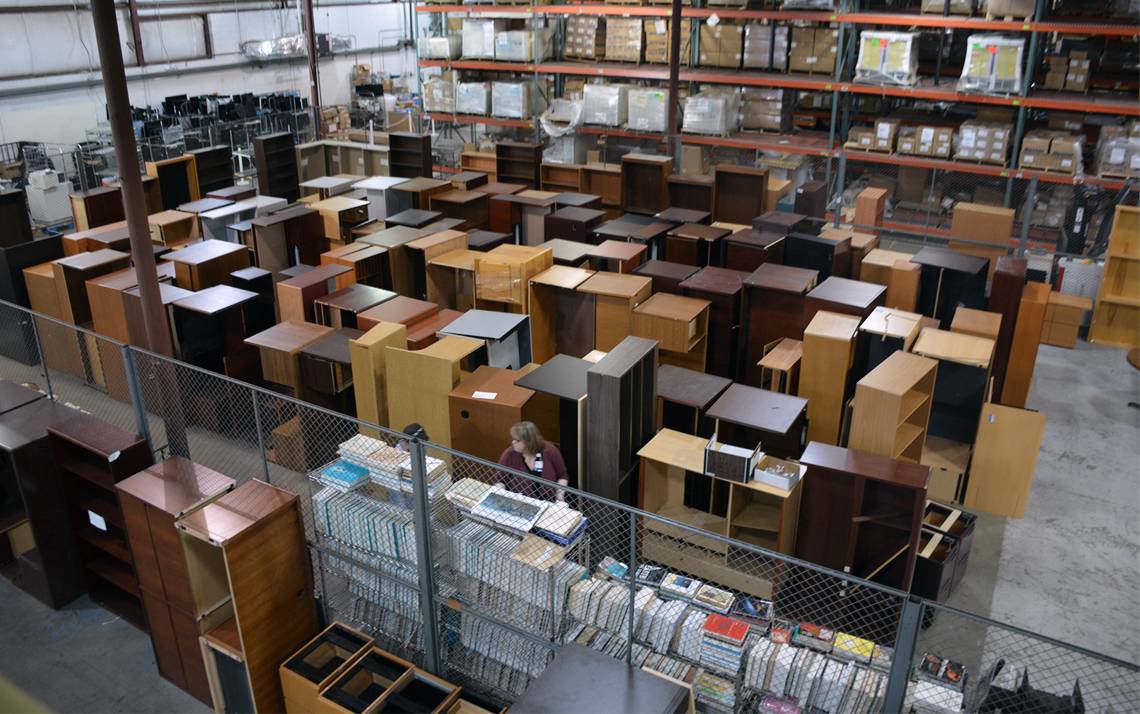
[(585, 37), (869, 207), (860, 138), (885, 132), (766, 46), (767, 108), (1066, 121), (657, 41), (722, 45), (625, 39), (694, 160), (907, 142), (912, 184), (978, 222), (1011, 8)]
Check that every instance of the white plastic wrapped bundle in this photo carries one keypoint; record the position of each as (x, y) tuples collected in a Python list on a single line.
[(713, 111), (569, 149), (510, 100), (439, 95), (1119, 156), (447, 47), (647, 109), (605, 104), (519, 45), (472, 98), (562, 117), (479, 37), (993, 64), (888, 58)]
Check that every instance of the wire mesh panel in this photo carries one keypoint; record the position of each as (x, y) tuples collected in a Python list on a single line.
[(964, 660), (19, 349), (87, 371)]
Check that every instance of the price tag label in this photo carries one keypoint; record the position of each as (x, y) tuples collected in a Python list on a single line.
[(96, 520)]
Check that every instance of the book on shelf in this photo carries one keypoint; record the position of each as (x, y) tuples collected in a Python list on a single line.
[(815, 636), (538, 553), (342, 476), (942, 671), (714, 598), (509, 509), (612, 568), (726, 629), (680, 586), (649, 574), (782, 631), (466, 492), (851, 647), (753, 610)]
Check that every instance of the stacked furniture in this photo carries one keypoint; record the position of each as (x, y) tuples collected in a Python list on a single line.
[(1116, 319)]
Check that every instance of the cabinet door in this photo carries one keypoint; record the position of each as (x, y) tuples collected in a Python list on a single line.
[(1005, 458)]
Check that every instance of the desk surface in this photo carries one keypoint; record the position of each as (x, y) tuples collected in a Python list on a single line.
[(832, 325), (845, 291), (413, 217), (885, 258), (205, 251), (758, 408), (562, 375), (570, 251), (165, 218), (871, 466), (392, 237), (401, 309), (891, 322), (976, 322), (617, 250), (314, 276), (216, 299), (616, 284), (327, 182), (665, 269), (485, 324), (356, 298), (288, 336), (494, 381), (336, 204), (784, 356), (576, 200), (561, 276), (176, 485), (688, 387), (480, 239), (672, 307), (582, 680), (379, 183), (719, 281), (954, 347), (674, 448), (755, 238), (782, 278), (420, 184), (699, 231), (281, 216), (204, 204), (674, 214), (950, 260), (167, 293), (459, 196), (94, 259), (461, 259), (576, 213), (496, 188), (332, 347), (14, 396)]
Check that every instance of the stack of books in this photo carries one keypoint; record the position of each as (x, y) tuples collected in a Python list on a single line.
[(714, 598), (391, 468), (812, 679), (722, 647), (465, 493), (342, 476), (681, 587), (692, 634), (561, 524), (814, 636), (364, 523), (714, 693), (940, 686)]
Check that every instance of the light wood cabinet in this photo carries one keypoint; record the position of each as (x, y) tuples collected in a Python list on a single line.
[(615, 297), (829, 353), (679, 323), (892, 407), (1116, 320)]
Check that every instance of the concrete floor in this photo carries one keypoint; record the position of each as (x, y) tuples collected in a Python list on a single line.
[(1069, 570)]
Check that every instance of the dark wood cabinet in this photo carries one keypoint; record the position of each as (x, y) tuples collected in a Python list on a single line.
[(215, 169), (845, 296), (326, 371), (827, 256), (261, 314), (738, 193), (773, 307), (644, 183), (683, 398), (573, 224), (91, 457), (409, 155), (748, 250), (152, 500), (678, 215), (723, 288), (950, 279), (811, 200), (691, 192), (518, 162), (18, 341), (622, 394), (695, 244), (14, 217), (784, 223), (666, 276), (1005, 299), (276, 162), (211, 326), (97, 207), (747, 416)]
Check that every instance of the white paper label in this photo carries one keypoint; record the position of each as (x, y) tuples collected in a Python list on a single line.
[(484, 395), (1116, 156), (97, 520), (927, 134), (883, 130), (660, 27), (713, 20), (1135, 163)]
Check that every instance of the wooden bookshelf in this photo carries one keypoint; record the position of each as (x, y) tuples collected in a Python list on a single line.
[(622, 396), (1116, 319), (519, 162), (561, 177), (409, 155), (892, 407), (828, 356), (215, 168), (276, 162), (644, 183), (177, 179)]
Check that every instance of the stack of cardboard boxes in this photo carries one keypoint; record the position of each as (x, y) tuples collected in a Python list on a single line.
[(812, 50), (647, 109), (657, 41), (1064, 314), (766, 108), (479, 37), (881, 137), (713, 111), (1118, 151), (624, 40), (529, 45), (439, 94), (984, 141), (605, 104), (1069, 72), (585, 37), (765, 46), (722, 45), (1047, 150), (957, 7), (925, 140)]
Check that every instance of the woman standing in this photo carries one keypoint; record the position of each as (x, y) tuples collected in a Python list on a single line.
[(530, 453)]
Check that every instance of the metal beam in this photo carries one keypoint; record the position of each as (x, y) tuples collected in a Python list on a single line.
[(136, 32), (314, 79), (671, 128)]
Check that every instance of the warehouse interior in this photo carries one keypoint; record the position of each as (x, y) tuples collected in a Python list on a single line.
[(734, 356)]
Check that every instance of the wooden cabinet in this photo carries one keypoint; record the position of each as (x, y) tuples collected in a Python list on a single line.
[(1023, 347), (963, 377), (178, 180), (861, 244), (617, 256), (561, 317), (172, 228), (152, 501), (397, 275), (468, 180), (829, 355), (644, 183), (485, 406), (1063, 317), (949, 279), (276, 164), (679, 323), (683, 398), (422, 250), (1116, 319), (738, 193), (326, 371), (505, 336), (561, 177), (14, 215), (211, 327), (451, 279), (280, 346), (296, 296), (723, 289), (749, 249), (248, 570), (416, 193), (667, 277), (499, 212), (409, 155), (339, 215), (502, 276), (695, 244), (400, 309), (91, 457), (811, 199), (1005, 298), (518, 162), (847, 297), (604, 180), (486, 241), (615, 298), (472, 207), (885, 331), (286, 238), (207, 263), (214, 166), (340, 309), (691, 192), (747, 415), (573, 224), (97, 207), (622, 397), (419, 383), (830, 257), (380, 203), (773, 307), (892, 407), (262, 313), (365, 263), (71, 274), (367, 354)]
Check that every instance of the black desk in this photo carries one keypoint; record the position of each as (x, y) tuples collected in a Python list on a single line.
[(14, 396), (582, 680)]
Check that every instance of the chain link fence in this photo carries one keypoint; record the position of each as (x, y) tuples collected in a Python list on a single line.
[(515, 566)]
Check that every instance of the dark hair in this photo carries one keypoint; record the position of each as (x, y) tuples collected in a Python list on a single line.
[(415, 431)]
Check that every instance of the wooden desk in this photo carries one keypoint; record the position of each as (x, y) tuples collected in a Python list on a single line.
[(368, 354), (366, 263), (950, 279), (634, 228), (422, 250), (568, 253), (111, 235), (695, 244), (295, 296), (326, 186), (773, 307), (561, 317), (233, 193), (530, 208), (398, 275), (208, 263), (747, 415), (784, 223), (381, 203), (173, 227), (749, 249), (326, 371), (215, 223), (416, 193), (339, 215), (451, 279), (679, 215), (666, 276), (877, 264), (574, 199), (617, 256), (962, 382), (419, 383), (204, 205), (505, 335), (413, 218), (468, 180), (564, 378), (485, 406), (400, 309), (861, 245), (723, 289), (615, 297), (573, 224), (829, 355), (472, 207), (280, 346), (844, 296), (289, 237), (340, 309), (71, 274), (132, 308)]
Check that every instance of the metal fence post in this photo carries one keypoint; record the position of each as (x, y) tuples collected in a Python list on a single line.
[(260, 434), (905, 642), (424, 557), (134, 387), (40, 352), (632, 572)]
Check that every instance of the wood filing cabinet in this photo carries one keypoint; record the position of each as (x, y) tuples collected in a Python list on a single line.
[(339, 309), (828, 256), (152, 501), (207, 263), (178, 180), (280, 345), (667, 277), (1005, 299), (367, 354), (472, 207), (644, 183), (419, 382), (847, 297), (738, 193), (773, 306), (561, 316), (276, 162), (365, 263), (502, 276), (171, 228), (409, 155), (615, 297), (416, 193), (72, 273), (295, 296), (747, 250), (326, 371), (829, 355), (622, 395), (339, 215), (422, 250), (320, 662), (723, 289), (518, 162), (691, 192), (695, 244), (680, 324), (485, 406), (1023, 347), (97, 207), (573, 224), (963, 377), (249, 578), (892, 407)]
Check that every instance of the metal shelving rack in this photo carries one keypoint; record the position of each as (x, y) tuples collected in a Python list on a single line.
[(849, 20)]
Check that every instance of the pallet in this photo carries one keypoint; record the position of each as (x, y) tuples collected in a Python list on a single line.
[(1010, 18), (624, 2), (1117, 177)]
